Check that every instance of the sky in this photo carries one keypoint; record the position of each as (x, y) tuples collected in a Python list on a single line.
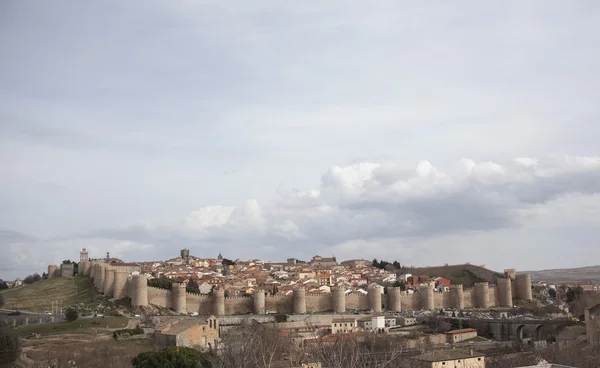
[(425, 133)]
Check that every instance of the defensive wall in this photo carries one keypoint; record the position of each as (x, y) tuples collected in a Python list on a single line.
[(483, 295)]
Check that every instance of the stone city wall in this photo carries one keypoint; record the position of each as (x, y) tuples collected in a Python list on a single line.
[(483, 295)]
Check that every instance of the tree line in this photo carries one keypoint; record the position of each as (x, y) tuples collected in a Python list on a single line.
[(382, 264)]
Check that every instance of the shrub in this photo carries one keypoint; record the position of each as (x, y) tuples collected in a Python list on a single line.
[(2, 301), (172, 357), (71, 314), (9, 346), (281, 318), (130, 331)]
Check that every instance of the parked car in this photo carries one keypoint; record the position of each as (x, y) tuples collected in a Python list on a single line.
[(14, 313), (47, 313)]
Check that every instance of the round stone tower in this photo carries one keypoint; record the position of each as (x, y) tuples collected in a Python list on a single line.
[(139, 291), (338, 295), (394, 299), (96, 274), (504, 293), (374, 295), (120, 284), (179, 297), (456, 297), (219, 301), (109, 279), (258, 300), (101, 277), (523, 286), (426, 297), (482, 296), (299, 299), (52, 271), (84, 268)]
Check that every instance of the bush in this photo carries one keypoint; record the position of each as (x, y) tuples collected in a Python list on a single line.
[(281, 318), (9, 346), (2, 301), (161, 282), (172, 357), (71, 314), (130, 331)]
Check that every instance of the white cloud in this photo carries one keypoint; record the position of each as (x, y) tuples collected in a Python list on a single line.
[(179, 112)]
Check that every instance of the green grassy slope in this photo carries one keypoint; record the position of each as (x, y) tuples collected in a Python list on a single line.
[(38, 296), (81, 323)]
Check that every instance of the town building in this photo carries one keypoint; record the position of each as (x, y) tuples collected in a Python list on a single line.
[(318, 261), (343, 325), (190, 332), (455, 358), (455, 336), (375, 323)]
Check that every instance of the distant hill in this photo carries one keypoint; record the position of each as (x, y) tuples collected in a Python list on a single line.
[(39, 296), (591, 273)]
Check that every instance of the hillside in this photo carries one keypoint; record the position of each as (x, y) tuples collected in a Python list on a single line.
[(38, 296), (465, 274), (591, 273)]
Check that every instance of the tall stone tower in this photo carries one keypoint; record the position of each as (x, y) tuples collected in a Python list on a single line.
[(179, 298), (394, 299), (185, 253), (504, 293), (219, 301), (482, 296), (338, 293), (109, 280), (139, 289), (456, 296), (426, 297), (83, 255), (258, 300), (523, 287), (374, 295), (120, 284), (299, 300)]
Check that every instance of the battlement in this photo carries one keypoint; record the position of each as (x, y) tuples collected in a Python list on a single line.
[(237, 298), (198, 295), (456, 286), (482, 284)]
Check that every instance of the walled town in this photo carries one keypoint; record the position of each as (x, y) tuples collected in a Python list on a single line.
[(382, 312)]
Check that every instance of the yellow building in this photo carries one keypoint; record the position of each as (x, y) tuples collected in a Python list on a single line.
[(189, 332), (450, 359)]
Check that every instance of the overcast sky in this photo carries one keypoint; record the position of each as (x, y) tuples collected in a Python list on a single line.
[(444, 132)]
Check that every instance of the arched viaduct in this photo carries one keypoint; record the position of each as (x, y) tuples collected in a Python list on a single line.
[(519, 329)]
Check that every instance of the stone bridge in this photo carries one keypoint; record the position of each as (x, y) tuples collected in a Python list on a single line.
[(519, 329)]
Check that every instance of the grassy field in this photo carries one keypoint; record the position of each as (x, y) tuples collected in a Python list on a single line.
[(38, 296), (82, 323)]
